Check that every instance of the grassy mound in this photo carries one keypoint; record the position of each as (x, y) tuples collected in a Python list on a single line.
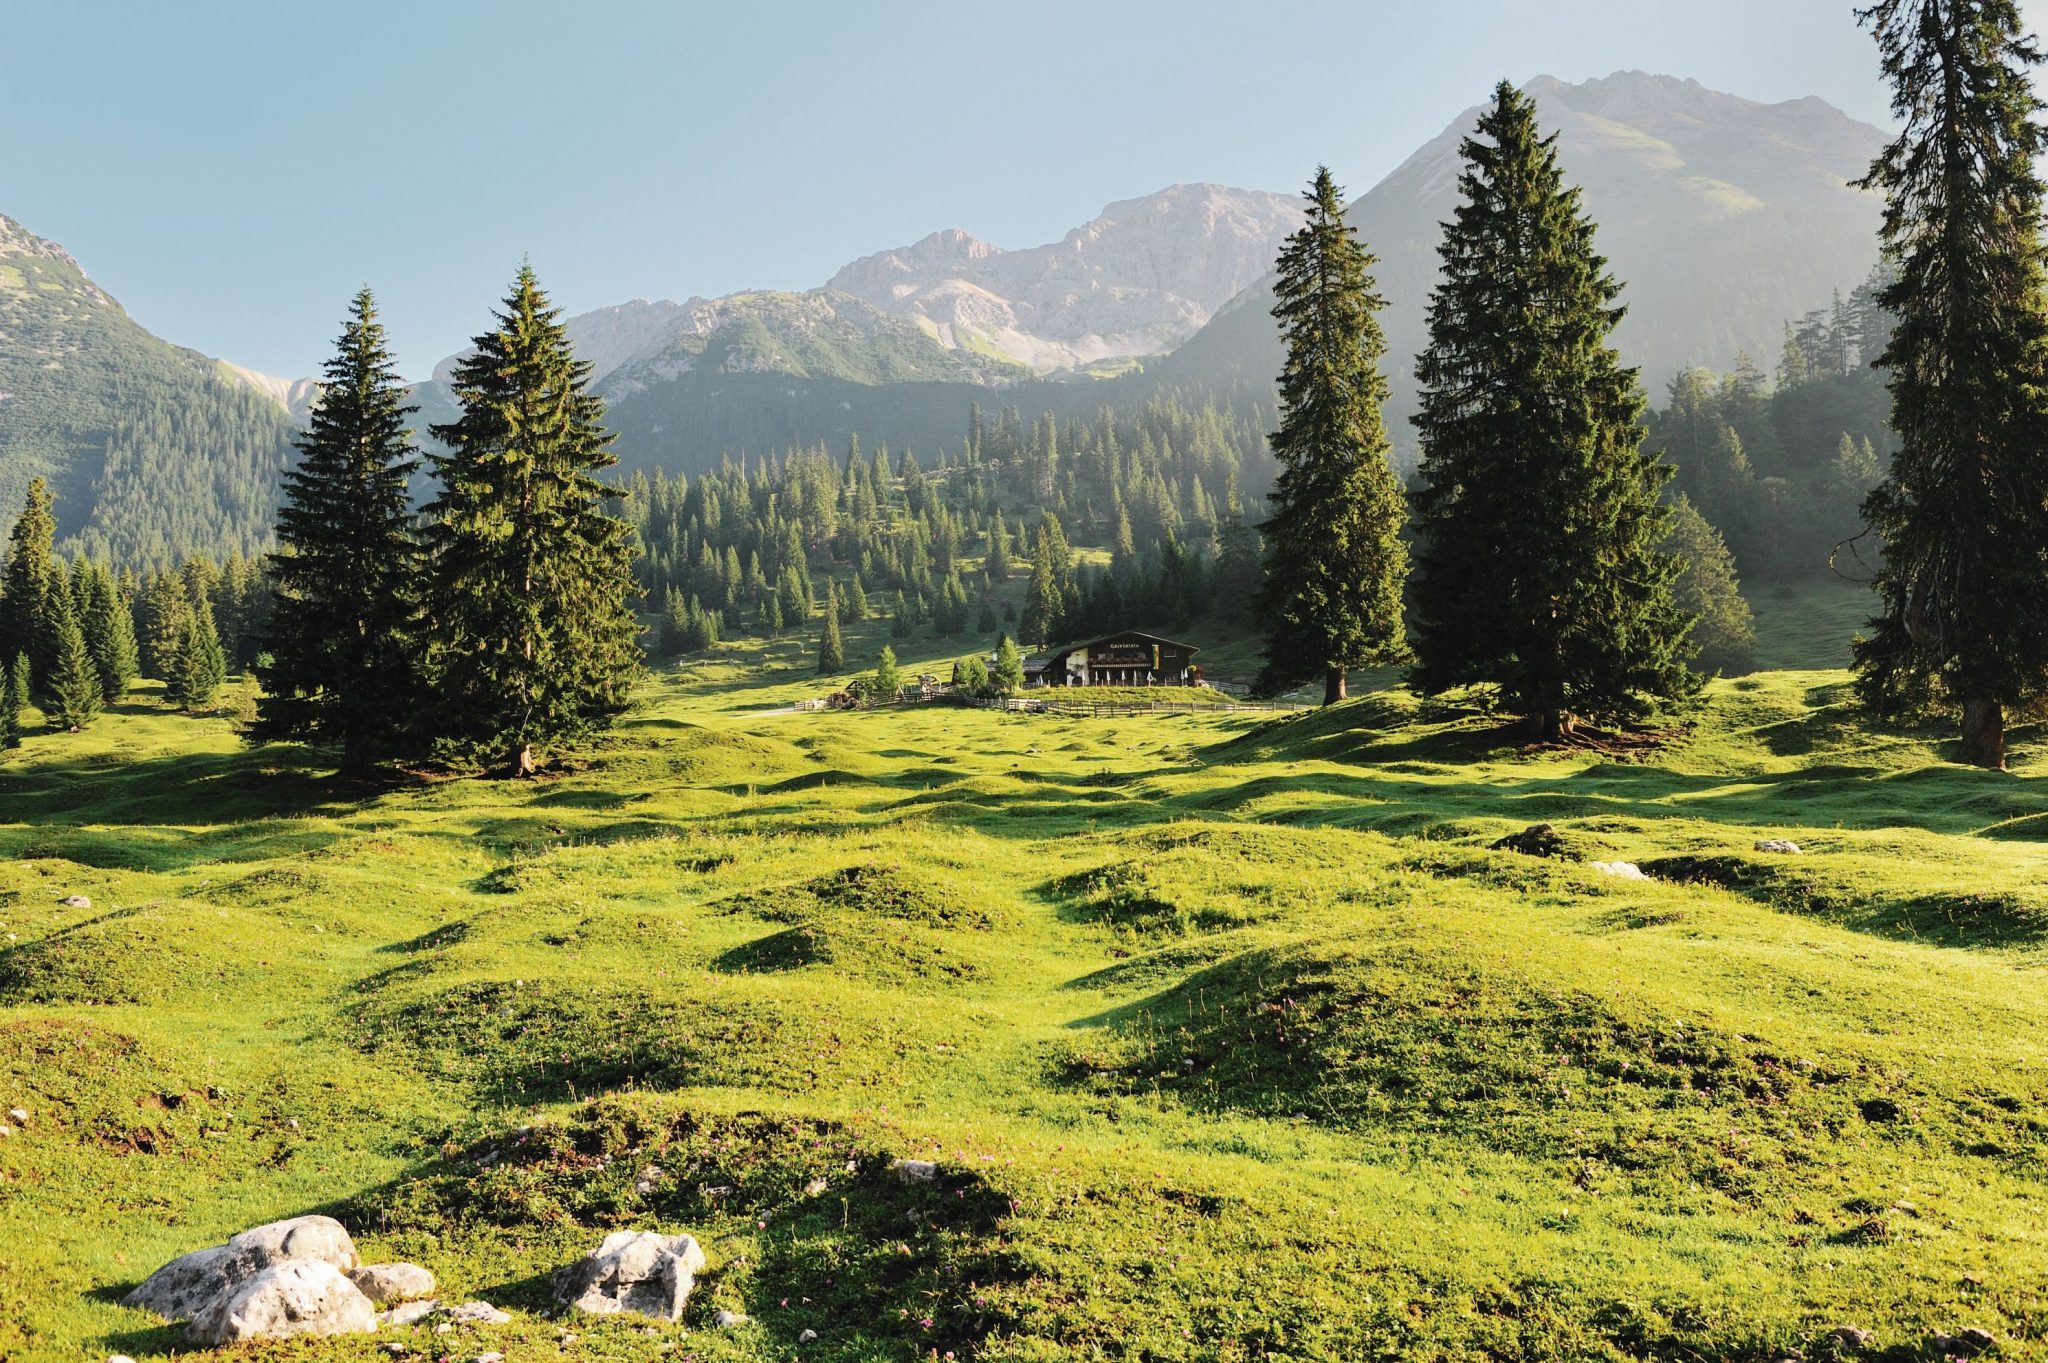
[(148, 954)]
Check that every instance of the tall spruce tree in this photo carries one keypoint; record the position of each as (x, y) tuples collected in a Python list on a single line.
[(27, 583), (343, 635), (1050, 593), (198, 663), (1538, 572), (530, 578), (73, 686), (13, 699), (109, 627), (1335, 564), (831, 651), (1964, 585)]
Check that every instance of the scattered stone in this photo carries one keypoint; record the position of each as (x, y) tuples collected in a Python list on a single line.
[(297, 1297), (5, 1131), (188, 1284), (1620, 870), (808, 1337), (816, 1187), (444, 1328), (1537, 840), (119, 1358), (633, 1271), (406, 1313), (75, 901), (476, 1313), (1849, 1338), (18, 1115), (394, 1348), (913, 1170), (1785, 845), (729, 1320), (489, 1358), (386, 1284)]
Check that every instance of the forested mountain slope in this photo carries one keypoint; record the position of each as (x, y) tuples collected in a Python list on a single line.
[(152, 450)]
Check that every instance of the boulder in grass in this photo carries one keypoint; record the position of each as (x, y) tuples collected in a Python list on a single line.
[(386, 1284), (633, 1272), (1784, 846), (406, 1313), (185, 1286), (1537, 840), (476, 1313), (913, 1170), (75, 901), (1620, 870), (296, 1297)]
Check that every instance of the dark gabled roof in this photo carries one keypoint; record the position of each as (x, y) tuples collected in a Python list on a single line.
[(1120, 634)]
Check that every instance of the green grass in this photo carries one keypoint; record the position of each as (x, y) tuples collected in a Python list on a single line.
[(1231, 1037)]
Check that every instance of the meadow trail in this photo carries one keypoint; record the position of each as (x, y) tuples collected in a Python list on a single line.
[(1230, 1036)]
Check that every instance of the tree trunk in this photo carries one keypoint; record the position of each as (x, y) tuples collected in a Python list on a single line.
[(1984, 734), (1553, 726), (1334, 685), (522, 760)]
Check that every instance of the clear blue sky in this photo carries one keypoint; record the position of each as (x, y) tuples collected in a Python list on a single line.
[(232, 170)]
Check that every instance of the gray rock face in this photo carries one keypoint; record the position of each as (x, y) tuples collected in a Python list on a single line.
[(297, 1297), (476, 1313), (633, 1271), (1135, 281), (388, 1283), (408, 1313), (188, 1284)]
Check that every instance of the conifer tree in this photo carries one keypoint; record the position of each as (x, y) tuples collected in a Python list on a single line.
[(1539, 571), (1008, 673), (27, 613), (1050, 592), (530, 580), (831, 652), (198, 662), (109, 628), (998, 565), (1723, 634), (162, 611), (1335, 564), (73, 687), (343, 638), (888, 676), (1963, 514), (13, 700)]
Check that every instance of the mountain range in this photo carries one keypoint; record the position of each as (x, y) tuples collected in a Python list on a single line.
[(1723, 216)]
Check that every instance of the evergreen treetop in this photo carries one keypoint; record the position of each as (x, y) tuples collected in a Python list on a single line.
[(1963, 513), (529, 577), (1539, 573), (1335, 564)]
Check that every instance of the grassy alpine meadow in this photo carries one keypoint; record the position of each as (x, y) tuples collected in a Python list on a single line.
[(1230, 1036)]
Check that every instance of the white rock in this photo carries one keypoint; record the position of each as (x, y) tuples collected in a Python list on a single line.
[(816, 1187), (633, 1271), (477, 1313), (18, 1115), (406, 1313), (913, 1170), (1622, 870), (489, 1358), (297, 1297), (388, 1283), (119, 1358), (75, 901), (5, 1131), (729, 1320), (1785, 845), (186, 1285), (808, 1337)]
